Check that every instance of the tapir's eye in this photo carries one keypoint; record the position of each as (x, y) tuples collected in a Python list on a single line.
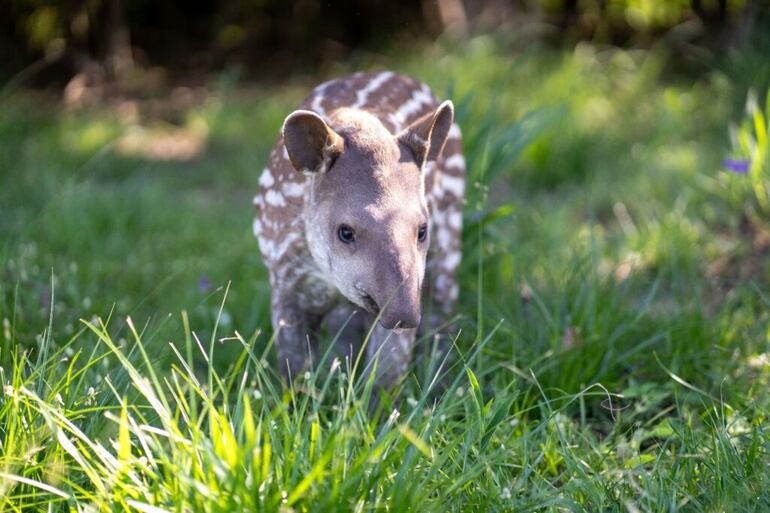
[(422, 233), (346, 234)]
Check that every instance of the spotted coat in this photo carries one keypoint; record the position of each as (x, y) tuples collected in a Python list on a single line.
[(280, 227)]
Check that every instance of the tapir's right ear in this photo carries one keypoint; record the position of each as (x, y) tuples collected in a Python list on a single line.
[(311, 144), (426, 136)]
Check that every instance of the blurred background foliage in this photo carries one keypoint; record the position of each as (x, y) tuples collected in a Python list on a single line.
[(268, 39)]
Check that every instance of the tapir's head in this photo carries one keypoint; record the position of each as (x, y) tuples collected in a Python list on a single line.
[(366, 216)]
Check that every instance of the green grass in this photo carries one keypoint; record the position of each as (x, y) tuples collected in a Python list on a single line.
[(614, 351)]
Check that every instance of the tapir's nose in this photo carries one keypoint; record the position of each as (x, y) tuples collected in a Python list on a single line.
[(397, 316), (397, 283), (399, 305)]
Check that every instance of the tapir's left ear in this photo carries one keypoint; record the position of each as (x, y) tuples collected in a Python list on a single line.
[(426, 136), (312, 145)]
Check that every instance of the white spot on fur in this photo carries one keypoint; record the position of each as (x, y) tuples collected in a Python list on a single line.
[(451, 261), (257, 227), (266, 180), (443, 237), (273, 251), (319, 97), (453, 184), (442, 284), (293, 189), (456, 161), (439, 218), (266, 224), (437, 191), (395, 122), (288, 240), (455, 220), (454, 132), (275, 198), (414, 104), (316, 105), (266, 246), (363, 94)]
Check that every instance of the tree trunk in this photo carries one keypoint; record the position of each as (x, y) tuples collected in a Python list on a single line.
[(118, 59)]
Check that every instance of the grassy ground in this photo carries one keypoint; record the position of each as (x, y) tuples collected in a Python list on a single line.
[(614, 352)]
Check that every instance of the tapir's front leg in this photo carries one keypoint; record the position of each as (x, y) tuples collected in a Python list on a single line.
[(295, 335), (347, 325)]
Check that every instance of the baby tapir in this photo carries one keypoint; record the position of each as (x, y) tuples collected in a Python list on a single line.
[(359, 216)]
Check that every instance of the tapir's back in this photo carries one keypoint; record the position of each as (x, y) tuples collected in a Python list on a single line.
[(397, 101)]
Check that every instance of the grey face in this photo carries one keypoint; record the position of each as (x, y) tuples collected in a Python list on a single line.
[(374, 231), (367, 222)]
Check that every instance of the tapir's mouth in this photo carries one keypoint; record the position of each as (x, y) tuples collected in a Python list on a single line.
[(370, 304)]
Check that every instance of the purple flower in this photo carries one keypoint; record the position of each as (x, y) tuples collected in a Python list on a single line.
[(203, 283), (737, 166)]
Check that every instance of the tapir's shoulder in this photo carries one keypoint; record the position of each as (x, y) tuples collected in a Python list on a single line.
[(278, 225)]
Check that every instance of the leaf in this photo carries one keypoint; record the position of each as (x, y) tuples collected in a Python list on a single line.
[(124, 435), (662, 430), (145, 508), (501, 413), (415, 440), (222, 436), (639, 460), (248, 422), (760, 129), (266, 453), (36, 484), (313, 438), (475, 386), (316, 472), (478, 398)]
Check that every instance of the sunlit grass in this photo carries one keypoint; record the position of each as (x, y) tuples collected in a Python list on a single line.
[(106, 426)]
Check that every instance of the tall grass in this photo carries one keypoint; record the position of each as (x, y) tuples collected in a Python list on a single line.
[(108, 428)]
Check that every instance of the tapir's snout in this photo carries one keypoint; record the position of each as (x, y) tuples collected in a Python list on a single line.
[(399, 305), (398, 316)]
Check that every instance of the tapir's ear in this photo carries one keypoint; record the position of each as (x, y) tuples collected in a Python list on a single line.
[(426, 136), (311, 144)]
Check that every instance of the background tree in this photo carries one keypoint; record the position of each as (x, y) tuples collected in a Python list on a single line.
[(60, 38)]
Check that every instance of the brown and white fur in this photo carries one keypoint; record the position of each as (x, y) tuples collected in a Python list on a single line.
[(375, 155)]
